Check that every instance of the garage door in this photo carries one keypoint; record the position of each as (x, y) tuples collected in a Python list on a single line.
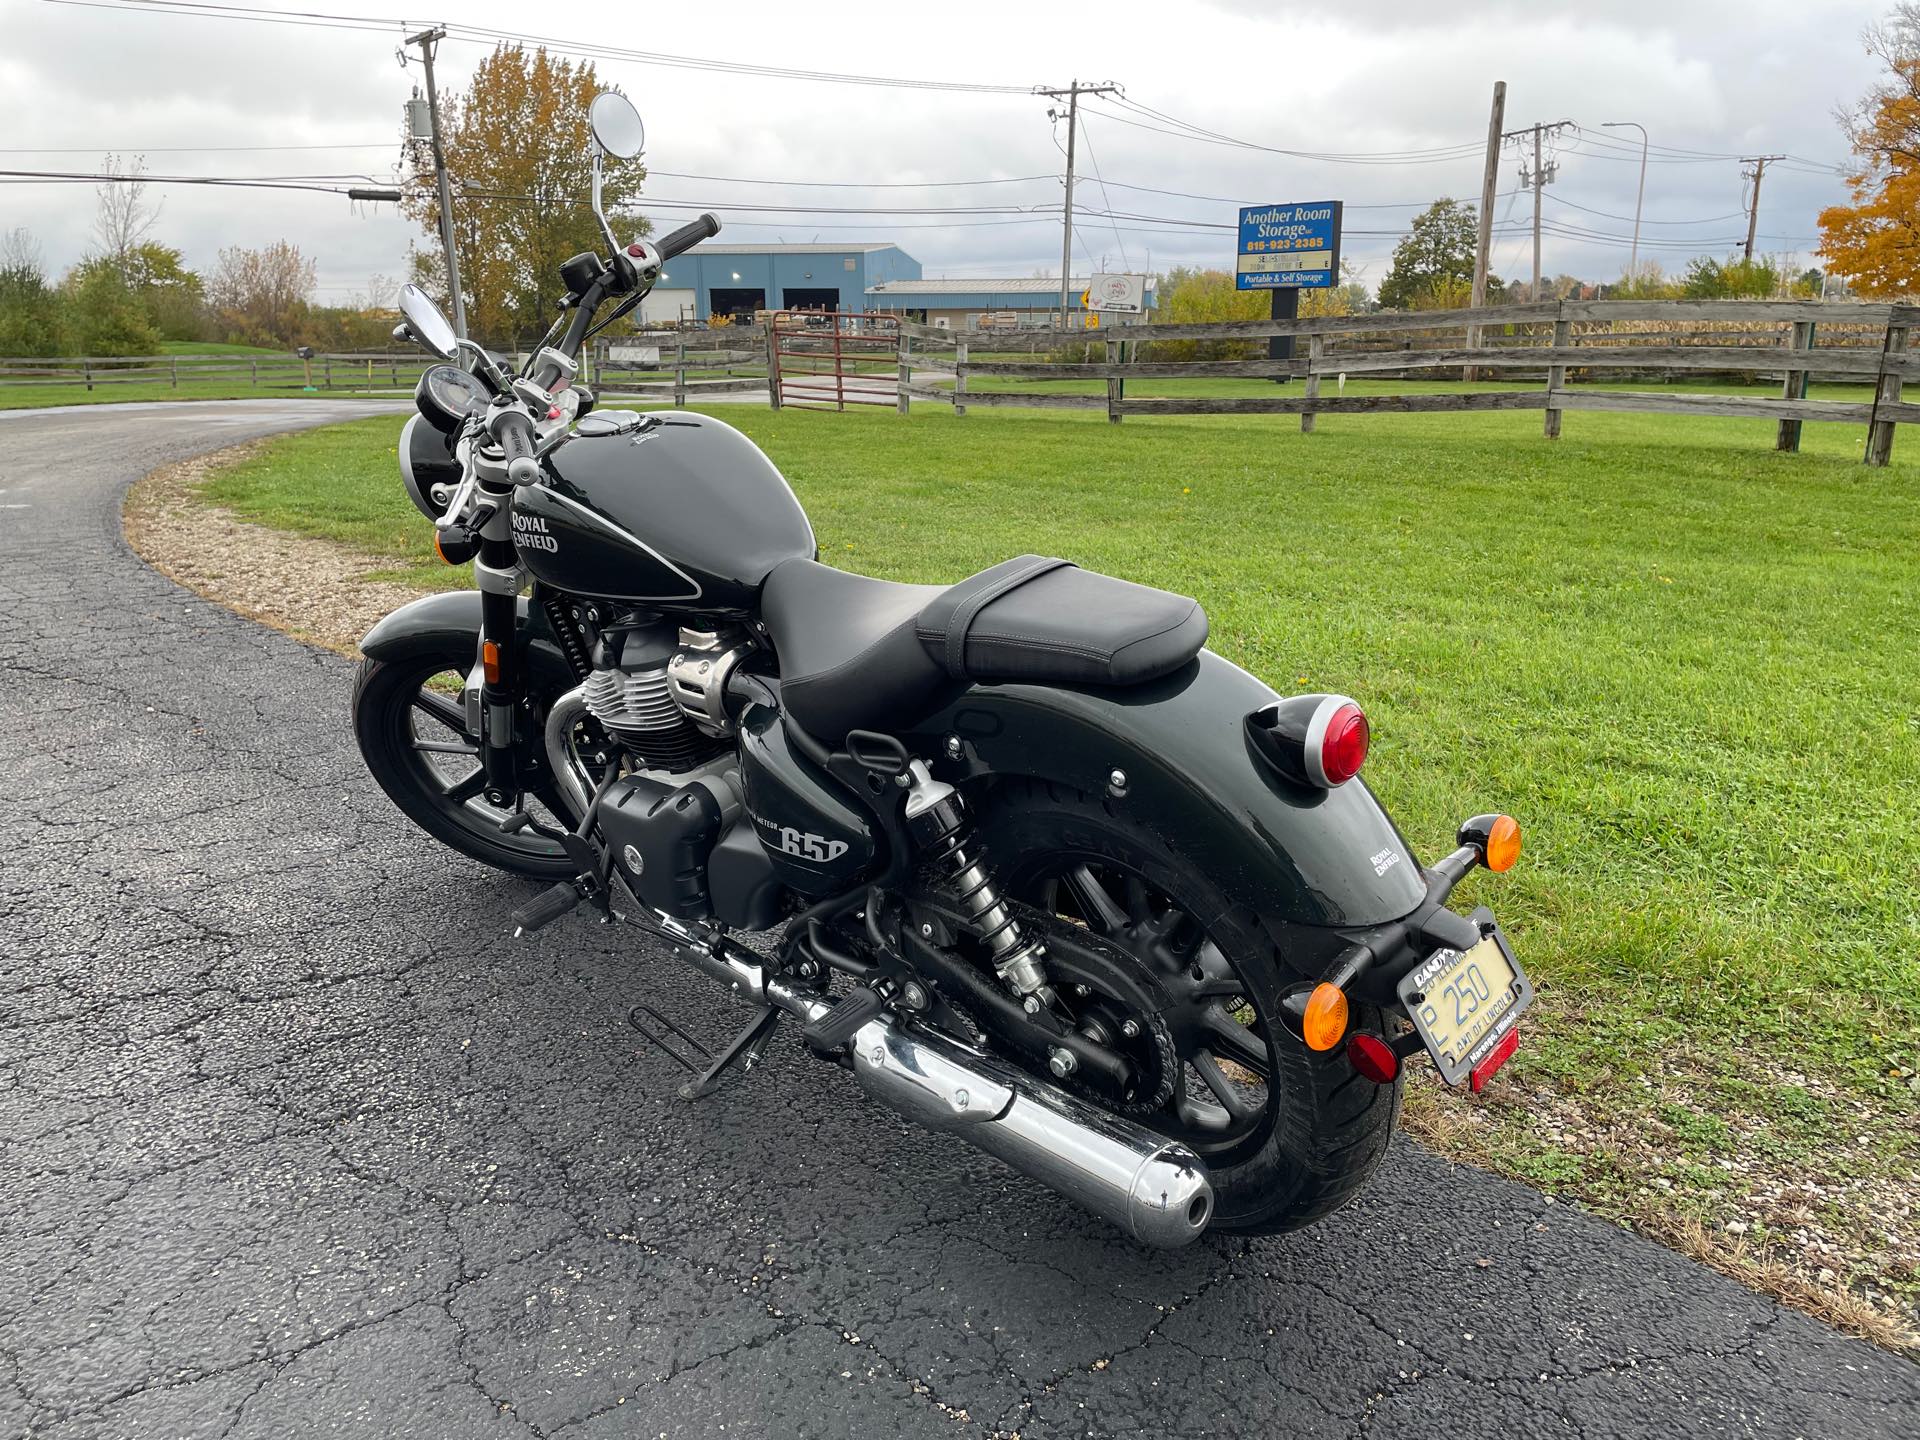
[(666, 305)]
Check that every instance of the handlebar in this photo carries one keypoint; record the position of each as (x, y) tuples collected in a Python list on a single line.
[(688, 236), (514, 430)]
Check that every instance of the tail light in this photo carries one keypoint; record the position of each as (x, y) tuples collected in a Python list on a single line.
[(1318, 740)]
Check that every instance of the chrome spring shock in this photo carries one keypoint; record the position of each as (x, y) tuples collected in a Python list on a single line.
[(936, 817)]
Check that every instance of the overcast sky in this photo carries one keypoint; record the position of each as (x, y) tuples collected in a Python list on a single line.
[(1366, 78)]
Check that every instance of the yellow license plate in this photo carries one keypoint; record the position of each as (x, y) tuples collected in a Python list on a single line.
[(1464, 1002)]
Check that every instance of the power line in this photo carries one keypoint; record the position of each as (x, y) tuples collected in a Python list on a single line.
[(478, 34)]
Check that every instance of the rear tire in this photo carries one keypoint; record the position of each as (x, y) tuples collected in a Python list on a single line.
[(1323, 1127)]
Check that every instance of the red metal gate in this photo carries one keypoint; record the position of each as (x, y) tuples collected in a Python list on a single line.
[(830, 359)]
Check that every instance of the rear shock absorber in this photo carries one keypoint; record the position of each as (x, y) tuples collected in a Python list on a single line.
[(936, 817)]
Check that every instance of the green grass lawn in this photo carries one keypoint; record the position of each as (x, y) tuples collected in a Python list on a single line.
[(1689, 664)]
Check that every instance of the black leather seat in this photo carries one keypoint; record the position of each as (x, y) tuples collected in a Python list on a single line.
[(866, 654)]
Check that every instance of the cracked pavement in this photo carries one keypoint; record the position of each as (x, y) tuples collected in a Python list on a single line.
[(294, 1140)]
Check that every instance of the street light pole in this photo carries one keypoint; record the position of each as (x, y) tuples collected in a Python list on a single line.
[(1633, 265)]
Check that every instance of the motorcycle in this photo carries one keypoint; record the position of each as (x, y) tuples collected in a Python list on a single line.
[(1046, 873)]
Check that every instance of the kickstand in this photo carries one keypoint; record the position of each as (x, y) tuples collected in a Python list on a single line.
[(744, 1047)]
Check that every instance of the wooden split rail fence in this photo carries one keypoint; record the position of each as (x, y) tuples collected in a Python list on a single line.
[(361, 370), (1790, 340)]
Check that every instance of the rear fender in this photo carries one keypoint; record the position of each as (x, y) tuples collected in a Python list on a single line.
[(1296, 855), (438, 624)]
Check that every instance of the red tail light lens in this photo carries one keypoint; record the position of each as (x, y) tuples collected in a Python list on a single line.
[(1343, 745)]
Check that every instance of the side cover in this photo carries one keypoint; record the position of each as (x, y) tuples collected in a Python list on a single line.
[(1297, 855)]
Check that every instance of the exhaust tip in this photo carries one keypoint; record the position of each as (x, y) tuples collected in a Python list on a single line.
[(1172, 1198)]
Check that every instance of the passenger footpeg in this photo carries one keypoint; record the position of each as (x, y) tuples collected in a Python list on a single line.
[(843, 1021)]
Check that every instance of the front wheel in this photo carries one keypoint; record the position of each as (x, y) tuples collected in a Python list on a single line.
[(1289, 1134), (414, 736)]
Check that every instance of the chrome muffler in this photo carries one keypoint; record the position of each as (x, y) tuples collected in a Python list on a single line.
[(1152, 1187)]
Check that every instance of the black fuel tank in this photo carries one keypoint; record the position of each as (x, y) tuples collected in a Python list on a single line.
[(677, 509)]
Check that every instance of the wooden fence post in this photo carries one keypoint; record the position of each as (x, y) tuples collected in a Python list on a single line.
[(1794, 387), (253, 374), (1115, 348), (175, 366), (1557, 375), (326, 382), (1886, 392), (773, 367), (902, 400), (1316, 351), (86, 369), (679, 369), (960, 377)]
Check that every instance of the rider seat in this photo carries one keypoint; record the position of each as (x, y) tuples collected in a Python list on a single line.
[(857, 653)]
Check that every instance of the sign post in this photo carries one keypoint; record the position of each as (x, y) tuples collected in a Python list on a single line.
[(1286, 248)]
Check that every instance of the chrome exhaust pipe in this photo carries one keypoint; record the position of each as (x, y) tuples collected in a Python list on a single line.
[(1153, 1188)]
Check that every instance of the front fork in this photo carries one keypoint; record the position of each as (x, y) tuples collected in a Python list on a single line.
[(497, 572)]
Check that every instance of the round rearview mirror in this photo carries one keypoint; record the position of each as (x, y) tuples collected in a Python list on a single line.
[(429, 326), (616, 125)]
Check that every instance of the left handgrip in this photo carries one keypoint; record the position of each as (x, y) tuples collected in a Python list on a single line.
[(514, 431)]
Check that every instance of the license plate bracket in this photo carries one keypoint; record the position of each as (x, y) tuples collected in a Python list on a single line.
[(1464, 1003)]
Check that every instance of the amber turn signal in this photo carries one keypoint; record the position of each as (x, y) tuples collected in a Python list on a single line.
[(490, 662), (1503, 843), (1325, 1020)]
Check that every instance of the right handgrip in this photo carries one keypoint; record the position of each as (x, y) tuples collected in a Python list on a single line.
[(688, 236)]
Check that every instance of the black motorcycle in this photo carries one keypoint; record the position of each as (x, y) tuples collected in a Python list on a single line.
[(1045, 872)]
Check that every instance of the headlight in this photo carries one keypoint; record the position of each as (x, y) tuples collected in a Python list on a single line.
[(427, 459)]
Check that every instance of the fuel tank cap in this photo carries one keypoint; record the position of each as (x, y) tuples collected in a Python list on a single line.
[(611, 422)]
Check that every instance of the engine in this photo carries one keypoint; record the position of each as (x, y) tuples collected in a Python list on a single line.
[(661, 691)]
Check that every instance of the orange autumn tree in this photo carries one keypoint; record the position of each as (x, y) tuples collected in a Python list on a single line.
[(1875, 241), (516, 147)]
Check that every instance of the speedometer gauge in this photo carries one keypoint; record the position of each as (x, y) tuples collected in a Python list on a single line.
[(447, 396)]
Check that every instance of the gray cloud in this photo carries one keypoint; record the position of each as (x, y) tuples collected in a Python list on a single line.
[(1371, 75)]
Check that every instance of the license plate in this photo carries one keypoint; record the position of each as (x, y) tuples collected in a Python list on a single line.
[(1463, 1003)]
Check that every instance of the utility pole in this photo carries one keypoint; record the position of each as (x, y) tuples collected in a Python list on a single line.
[(1541, 176), (1489, 183), (1640, 196), (426, 40), (1071, 95), (1758, 173)]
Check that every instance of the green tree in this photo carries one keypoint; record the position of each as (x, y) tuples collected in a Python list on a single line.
[(33, 320), (174, 297), (1433, 263), (108, 316), (516, 142), (1736, 279)]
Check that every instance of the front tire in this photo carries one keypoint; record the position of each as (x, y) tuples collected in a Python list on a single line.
[(414, 738), (1283, 1148)]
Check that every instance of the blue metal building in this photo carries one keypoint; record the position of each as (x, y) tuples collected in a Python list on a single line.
[(722, 279)]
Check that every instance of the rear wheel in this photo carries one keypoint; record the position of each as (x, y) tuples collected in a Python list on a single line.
[(414, 736), (1289, 1134)]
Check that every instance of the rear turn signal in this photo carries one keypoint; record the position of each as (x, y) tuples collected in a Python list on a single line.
[(1325, 1020), (1503, 843)]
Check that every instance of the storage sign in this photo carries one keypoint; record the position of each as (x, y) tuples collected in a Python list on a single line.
[(1294, 244)]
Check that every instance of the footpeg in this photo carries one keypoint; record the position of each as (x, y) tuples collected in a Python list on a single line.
[(545, 908), (843, 1021)]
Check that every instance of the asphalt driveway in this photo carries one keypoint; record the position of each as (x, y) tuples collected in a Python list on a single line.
[(294, 1140)]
